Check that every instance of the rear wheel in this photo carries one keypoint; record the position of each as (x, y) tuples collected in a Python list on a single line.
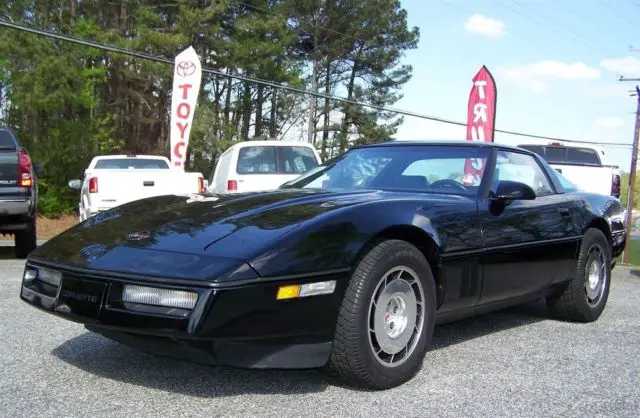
[(25, 241), (386, 319), (585, 296)]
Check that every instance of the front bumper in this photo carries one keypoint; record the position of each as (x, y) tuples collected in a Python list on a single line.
[(241, 325)]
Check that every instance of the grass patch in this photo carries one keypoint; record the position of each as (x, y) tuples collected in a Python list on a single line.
[(633, 247)]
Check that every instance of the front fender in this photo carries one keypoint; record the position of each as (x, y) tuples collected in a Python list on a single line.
[(336, 240)]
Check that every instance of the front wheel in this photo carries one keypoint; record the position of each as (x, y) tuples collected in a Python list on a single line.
[(585, 296), (386, 319)]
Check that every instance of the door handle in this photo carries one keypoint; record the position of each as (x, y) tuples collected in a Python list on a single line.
[(564, 211)]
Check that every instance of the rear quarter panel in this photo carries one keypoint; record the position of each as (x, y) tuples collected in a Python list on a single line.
[(604, 212)]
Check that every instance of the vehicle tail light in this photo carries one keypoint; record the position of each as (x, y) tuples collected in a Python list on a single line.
[(200, 184), (93, 185), (615, 186), (25, 176), (232, 185)]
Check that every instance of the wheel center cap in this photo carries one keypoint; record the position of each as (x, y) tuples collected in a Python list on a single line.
[(395, 317)]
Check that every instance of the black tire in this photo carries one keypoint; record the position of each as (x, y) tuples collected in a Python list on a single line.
[(352, 357), (573, 302), (26, 240)]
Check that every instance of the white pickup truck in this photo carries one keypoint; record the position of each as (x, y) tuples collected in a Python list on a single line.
[(583, 166), (113, 180)]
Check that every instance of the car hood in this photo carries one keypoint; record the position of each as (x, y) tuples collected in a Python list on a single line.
[(175, 235), (181, 236)]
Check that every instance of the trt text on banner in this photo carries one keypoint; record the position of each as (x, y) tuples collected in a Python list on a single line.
[(481, 119)]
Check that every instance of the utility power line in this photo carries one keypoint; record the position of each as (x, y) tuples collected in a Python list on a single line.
[(208, 70), (590, 42)]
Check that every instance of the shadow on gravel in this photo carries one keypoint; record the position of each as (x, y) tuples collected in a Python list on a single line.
[(102, 357), (6, 253), (479, 326), (635, 272)]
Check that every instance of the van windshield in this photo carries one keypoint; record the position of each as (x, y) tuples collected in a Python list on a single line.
[(269, 159)]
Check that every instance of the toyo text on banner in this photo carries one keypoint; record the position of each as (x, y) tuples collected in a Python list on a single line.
[(187, 73), (481, 118)]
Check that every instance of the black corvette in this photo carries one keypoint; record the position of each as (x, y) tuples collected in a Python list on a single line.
[(348, 267)]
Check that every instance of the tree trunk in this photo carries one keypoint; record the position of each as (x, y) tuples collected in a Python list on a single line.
[(347, 114), (227, 102), (259, 102), (325, 130), (312, 101), (246, 112), (72, 12), (273, 126)]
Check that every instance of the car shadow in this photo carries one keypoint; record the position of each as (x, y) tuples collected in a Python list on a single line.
[(635, 272), (102, 357), (7, 253), (481, 325)]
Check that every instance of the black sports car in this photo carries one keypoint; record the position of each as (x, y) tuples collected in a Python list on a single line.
[(350, 266)]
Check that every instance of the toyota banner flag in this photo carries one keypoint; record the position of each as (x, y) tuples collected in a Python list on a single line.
[(187, 73), (481, 118)]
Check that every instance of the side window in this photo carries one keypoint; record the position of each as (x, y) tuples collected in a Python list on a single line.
[(256, 160), (296, 159), (524, 168)]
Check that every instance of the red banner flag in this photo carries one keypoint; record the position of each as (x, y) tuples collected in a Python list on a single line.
[(481, 118)]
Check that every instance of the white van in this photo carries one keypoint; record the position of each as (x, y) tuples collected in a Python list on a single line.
[(252, 166)]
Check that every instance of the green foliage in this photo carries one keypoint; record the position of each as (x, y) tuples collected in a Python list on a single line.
[(624, 190), (69, 103)]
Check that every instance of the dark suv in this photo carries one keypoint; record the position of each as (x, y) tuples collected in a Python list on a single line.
[(18, 193)]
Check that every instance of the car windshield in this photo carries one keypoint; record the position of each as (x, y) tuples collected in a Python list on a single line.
[(422, 168), (131, 163)]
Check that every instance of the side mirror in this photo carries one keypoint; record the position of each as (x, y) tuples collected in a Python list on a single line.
[(37, 168), (512, 190), (75, 184)]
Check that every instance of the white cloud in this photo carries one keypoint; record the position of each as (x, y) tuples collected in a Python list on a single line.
[(486, 26), (627, 66), (609, 122), (535, 76)]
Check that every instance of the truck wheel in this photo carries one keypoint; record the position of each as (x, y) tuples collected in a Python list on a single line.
[(386, 320), (26, 240), (585, 295)]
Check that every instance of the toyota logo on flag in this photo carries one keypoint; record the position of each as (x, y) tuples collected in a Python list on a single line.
[(185, 68)]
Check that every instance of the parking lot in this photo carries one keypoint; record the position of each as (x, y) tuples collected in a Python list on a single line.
[(513, 363)]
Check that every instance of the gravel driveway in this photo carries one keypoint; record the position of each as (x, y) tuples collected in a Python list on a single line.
[(515, 363)]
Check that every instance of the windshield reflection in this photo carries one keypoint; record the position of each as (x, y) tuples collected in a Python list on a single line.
[(421, 168)]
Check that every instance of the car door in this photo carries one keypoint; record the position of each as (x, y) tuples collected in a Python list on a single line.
[(528, 244)]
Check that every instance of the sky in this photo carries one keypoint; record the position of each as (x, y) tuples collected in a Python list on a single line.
[(556, 67)]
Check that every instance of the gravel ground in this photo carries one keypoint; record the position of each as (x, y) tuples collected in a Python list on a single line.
[(513, 363)]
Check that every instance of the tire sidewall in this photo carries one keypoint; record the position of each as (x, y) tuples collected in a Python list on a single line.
[(592, 238), (401, 253)]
